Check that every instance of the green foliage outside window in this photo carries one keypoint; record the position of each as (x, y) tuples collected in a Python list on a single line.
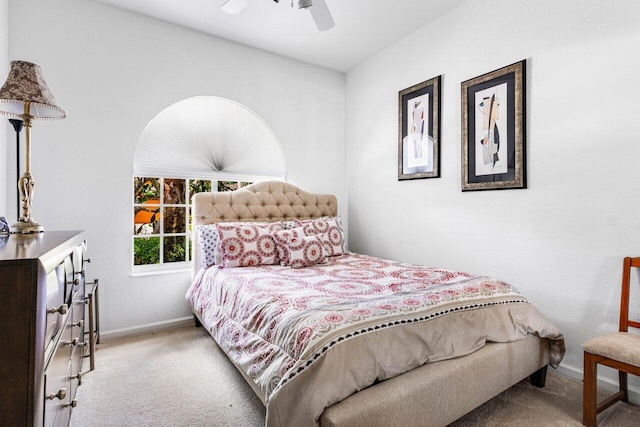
[(146, 189), (146, 251), (199, 186), (174, 249), (227, 186)]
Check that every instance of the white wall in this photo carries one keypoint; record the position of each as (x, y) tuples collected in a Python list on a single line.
[(113, 71), (562, 240), (5, 127)]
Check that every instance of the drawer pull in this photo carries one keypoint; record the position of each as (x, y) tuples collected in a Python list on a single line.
[(79, 323), (87, 260), (81, 273), (78, 377), (61, 394), (73, 342), (73, 404), (74, 282), (62, 309)]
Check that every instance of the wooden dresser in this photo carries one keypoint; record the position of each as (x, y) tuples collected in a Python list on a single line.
[(42, 301)]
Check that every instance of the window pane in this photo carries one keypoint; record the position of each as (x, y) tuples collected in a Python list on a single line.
[(146, 220), (199, 186), (175, 249), (245, 183), (227, 185), (146, 250), (146, 190), (174, 191), (174, 220)]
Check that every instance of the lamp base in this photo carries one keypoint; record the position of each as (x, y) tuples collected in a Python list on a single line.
[(30, 227)]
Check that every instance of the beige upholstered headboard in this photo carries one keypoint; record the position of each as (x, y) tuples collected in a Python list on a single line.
[(268, 201)]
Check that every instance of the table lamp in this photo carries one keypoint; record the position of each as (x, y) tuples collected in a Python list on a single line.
[(25, 95)]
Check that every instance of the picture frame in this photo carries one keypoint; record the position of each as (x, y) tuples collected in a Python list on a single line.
[(419, 130), (493, 130)]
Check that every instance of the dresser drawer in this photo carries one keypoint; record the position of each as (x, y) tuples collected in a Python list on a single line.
[(75, 273), (56, 377), (78, 260), (64, 408), (77, 332), (78, 304), (72, 281), (75, 375), (56, 310)]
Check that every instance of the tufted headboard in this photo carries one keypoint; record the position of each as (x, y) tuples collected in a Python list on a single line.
[(268, 201)]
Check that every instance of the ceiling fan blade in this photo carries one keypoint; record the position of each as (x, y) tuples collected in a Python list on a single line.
[(321, 15), (234, 6)]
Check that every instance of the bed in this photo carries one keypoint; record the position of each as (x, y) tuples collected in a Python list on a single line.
[(334, 338)]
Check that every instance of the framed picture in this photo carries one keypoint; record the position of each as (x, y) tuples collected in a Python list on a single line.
[(419, 131), (493, 130)]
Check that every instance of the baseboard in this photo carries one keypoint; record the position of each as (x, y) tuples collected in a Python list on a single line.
[(145, 329), (604, 383)]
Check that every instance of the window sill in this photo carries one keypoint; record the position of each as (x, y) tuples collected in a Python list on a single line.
[(161, 272)]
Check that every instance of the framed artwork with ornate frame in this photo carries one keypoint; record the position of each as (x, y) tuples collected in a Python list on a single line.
[(419, 131), (493, 130)]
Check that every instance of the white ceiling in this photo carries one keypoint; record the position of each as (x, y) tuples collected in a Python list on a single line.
[(363, 27)]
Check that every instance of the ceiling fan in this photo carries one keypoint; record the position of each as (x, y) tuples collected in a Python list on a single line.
[(318, 9)]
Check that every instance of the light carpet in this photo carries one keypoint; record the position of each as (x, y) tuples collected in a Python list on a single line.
[(180, 378)]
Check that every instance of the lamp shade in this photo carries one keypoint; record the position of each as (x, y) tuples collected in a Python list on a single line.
[(26, 84)]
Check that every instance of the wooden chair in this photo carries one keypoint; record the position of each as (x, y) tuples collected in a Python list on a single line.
[(619, 350)]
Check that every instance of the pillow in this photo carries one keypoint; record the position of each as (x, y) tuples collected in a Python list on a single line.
[(332, 227), (245, 246), (334, 243), (306, 251), (282, 238), (208, 235)]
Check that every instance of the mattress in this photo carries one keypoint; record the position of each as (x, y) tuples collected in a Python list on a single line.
[(310, 337)]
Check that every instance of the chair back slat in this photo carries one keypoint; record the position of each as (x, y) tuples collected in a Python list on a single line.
[(625, 323)]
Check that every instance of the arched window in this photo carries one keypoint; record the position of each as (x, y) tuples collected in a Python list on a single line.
[(198, 144)]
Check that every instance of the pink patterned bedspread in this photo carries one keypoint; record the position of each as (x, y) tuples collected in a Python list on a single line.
[(356, 318)]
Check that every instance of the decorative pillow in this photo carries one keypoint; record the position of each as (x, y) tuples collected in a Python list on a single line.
[(329, 227), (209, 245), (306, 251), (245, 246), (208, 235), (282, 238), (334, 243), (332, 227)]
